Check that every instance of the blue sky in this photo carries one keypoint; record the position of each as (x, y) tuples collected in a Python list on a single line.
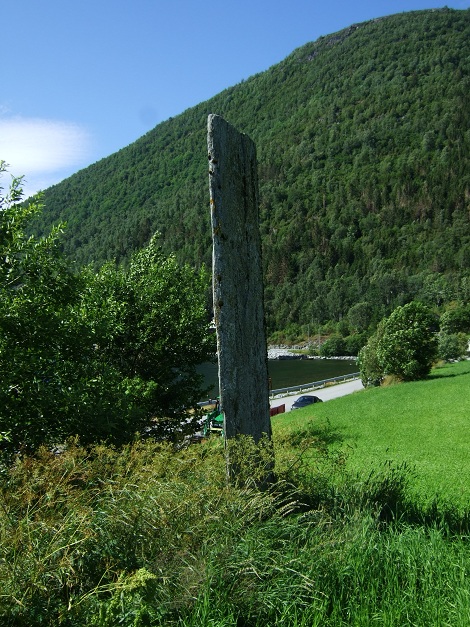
[(80, 80)]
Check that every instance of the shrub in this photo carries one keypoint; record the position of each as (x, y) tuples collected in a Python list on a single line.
[(99, 355), (452, 345), (456, 320), (334, 346), (371, 369), (354, 343), (408, 345)]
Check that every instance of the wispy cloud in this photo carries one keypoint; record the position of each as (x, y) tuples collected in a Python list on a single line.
[(44, 151)]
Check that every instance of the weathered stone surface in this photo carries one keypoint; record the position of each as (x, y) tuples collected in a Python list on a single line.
[(238, 281)]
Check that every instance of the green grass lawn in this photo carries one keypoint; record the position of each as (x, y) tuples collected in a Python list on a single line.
[(425, 424)]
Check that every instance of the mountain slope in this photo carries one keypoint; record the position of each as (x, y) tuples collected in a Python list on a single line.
[(363, 144)]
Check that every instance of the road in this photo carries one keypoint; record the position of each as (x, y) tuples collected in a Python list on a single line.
[(326, 394)]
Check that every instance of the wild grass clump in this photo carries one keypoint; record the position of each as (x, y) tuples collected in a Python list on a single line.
[(144, 535)]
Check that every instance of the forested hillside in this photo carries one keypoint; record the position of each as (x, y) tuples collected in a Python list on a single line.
[(363, 144)]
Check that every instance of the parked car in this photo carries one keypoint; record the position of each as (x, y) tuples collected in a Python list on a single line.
[(303, 401)]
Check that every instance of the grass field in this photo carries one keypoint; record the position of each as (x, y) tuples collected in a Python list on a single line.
[(425, 425), (348, 535)]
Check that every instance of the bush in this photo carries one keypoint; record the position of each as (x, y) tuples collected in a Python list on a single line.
[(456, 320), (452, 345), (99, 355), (408, 345), (334, 346), (354, 343), (371, 369)]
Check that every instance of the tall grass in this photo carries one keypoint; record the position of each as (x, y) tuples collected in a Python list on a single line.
[(145, 536)]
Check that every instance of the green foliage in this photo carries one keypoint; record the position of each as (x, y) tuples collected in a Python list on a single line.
[(101, 356), (408, 345), (354, 343), (144, 535), (156, 333), (250, 462), (360, 316), (456, 319), (371, 369), (333, 346), (452, 345), (363, 147), (39, 334)]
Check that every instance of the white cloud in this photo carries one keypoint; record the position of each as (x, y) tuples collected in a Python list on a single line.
[(44, 151)]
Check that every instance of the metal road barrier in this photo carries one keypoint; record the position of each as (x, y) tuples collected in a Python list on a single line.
[(303, 387), (311, 386)]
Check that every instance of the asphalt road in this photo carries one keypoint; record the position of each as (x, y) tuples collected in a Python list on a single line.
[(326, 394)]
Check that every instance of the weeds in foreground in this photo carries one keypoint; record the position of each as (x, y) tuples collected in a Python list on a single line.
[(146, 536)]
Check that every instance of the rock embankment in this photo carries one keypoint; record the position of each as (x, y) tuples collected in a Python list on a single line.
[(279, 352), (283, 352)]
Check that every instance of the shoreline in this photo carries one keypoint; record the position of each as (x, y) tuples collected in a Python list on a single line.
[(282, 352)]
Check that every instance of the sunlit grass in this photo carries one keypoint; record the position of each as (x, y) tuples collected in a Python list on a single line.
[(425, 424)]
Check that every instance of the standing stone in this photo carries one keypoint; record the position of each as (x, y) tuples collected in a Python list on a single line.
[(238, 281)]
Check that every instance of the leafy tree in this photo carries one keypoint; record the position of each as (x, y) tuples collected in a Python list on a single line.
[(156, 333), (456, 320), (38, 340), (334, 346), (452, 345), (96, 355), (354, 343), (372, 372), (360, 316), (408, 345)]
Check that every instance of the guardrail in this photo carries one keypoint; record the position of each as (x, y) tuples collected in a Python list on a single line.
[(312, 386), (304, 387)]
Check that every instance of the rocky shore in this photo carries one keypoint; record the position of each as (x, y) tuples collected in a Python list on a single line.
[(285, 352), (279, 352)]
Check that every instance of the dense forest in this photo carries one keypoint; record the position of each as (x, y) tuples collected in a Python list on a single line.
[(363, 140)]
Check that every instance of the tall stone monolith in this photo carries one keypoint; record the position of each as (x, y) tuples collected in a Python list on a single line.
[(238, 281)]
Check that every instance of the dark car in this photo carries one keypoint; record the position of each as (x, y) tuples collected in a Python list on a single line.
[(303, 401)]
